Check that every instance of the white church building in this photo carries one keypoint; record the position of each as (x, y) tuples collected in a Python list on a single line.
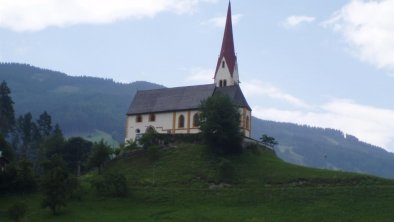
[(175, 110)]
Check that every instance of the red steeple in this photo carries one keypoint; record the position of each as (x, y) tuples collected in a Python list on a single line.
[(228, 50)]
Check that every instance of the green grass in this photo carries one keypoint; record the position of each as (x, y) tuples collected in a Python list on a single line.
[(176, 188)]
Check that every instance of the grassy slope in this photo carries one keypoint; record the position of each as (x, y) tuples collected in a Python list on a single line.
[(175, 188)]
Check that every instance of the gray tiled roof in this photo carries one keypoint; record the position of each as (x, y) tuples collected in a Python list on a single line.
[(235, 94), (170, 99), (180, 98)]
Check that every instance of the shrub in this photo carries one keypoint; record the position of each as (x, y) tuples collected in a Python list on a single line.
[(17, 211), (113, 184)]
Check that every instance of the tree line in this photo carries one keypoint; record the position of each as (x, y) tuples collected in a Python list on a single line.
[(36, 155)]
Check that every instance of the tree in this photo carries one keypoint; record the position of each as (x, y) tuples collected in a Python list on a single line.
[(53, 144), (100, 153), (44, 123), (28, 134), (7, 114), (5, 149), (268, 140), (75, 152), (55, 184), (25, 178), (220, 125)]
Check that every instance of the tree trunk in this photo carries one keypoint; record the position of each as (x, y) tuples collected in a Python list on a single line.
[(79, 169)]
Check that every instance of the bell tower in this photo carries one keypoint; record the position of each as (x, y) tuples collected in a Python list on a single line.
[(226, 73)]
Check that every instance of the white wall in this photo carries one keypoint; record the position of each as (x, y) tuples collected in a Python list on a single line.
[(169, 123), (164, 123)]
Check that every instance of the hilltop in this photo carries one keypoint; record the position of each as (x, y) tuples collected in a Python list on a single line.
[(96, 107)]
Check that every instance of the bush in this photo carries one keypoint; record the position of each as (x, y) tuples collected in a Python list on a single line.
[(25, 180), (17, 211), (148, 139), (113, 184)]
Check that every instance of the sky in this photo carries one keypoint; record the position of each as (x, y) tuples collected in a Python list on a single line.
[(320, 63)]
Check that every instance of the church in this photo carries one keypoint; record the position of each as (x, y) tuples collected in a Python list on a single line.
[(175, 110)]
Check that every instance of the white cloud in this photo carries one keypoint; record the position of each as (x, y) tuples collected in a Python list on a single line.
[(33, 15), (369, 124), (368, 27), (258, 88), (200, 76), (221, 21), (296, 20)]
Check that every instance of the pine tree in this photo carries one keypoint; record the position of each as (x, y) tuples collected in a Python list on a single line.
[(28, 134), (7, 114), (44, 124)]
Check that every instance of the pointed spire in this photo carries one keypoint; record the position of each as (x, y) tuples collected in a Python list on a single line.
[(228, 50)]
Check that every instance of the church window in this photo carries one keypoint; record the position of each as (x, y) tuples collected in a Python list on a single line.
[(181, 121), (220, 83), (138, 119), (247, 124), (152, 117), (223, 64), (196, 120), (224, 82)]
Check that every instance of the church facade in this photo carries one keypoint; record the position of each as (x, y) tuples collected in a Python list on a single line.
[(175, 110)]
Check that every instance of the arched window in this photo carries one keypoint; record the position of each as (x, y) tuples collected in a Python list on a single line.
[(220, 83), (138, 118), (181, 121), (152, 117), (223, 64), (247, 124), (224, 82), (196, 120)]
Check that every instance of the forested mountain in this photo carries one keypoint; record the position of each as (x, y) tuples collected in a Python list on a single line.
[(81, 105), (84, 105), (325, 148)]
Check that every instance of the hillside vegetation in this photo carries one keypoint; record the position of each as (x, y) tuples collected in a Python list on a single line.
[(95, 108), (185, 184)]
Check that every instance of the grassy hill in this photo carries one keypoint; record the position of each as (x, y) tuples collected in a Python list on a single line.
[(180, 186), (95, 108)]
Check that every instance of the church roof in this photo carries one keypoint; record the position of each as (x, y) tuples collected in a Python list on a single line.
[(181, 98), (235, 94), (170, 99), (228, 49)]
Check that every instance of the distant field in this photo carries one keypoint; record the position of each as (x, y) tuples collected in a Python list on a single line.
[(264, 188)]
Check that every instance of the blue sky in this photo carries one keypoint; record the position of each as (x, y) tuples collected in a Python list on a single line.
[(320, 63)]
